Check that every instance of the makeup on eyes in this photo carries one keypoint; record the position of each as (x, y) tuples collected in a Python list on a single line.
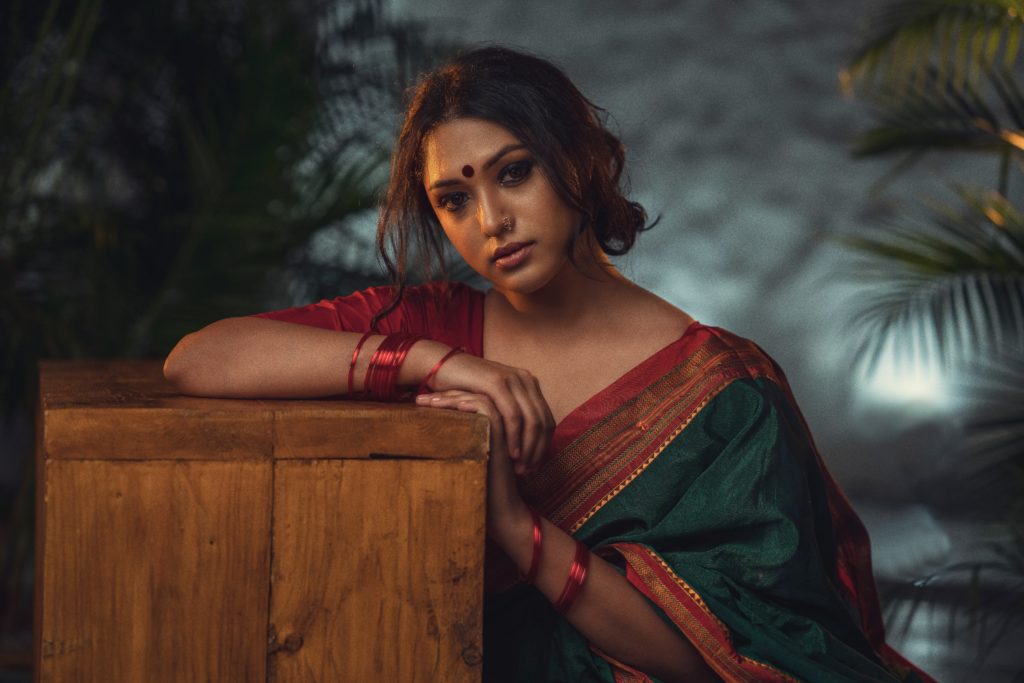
[(523, 166)]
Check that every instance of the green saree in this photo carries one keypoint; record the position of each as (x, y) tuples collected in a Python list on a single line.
[(695, 475)]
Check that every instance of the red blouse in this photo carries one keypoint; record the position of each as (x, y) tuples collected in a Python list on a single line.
[(449, 312)]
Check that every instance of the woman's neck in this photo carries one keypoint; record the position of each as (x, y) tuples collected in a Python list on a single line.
[(579, 297)]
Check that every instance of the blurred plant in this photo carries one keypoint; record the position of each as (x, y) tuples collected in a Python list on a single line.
[(163, 165), (948, 282)]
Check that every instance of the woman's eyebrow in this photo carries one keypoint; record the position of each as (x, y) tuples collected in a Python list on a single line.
[(502, 152), (491, 161)]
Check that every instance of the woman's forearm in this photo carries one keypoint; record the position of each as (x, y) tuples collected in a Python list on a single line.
[(260, 358), (609, 611)]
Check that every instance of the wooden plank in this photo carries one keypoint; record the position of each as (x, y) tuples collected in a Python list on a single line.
[(126, 410), (360, 430), (158, 434), (154, 571), (377, 571)]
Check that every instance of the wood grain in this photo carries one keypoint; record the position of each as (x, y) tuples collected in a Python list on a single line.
[(377, 571), (155, 571), (161, 517), (126, 410)]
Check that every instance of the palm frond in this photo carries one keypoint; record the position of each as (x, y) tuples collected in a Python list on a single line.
[(994, 444), (957, 37), (939, 115), (949, 285)]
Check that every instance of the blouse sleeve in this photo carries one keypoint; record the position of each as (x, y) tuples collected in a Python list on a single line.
[(451, 313)]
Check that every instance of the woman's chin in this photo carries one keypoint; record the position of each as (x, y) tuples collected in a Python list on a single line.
[(523, 282)]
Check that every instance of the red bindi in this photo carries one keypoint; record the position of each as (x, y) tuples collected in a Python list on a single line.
[(467, 171)]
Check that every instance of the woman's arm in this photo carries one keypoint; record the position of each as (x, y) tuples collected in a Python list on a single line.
[(260, 358), (609, 611)]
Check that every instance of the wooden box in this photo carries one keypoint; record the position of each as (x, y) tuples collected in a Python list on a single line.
[(184, 539)]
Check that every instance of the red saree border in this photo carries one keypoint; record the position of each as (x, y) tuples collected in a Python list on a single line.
[(649, 574), (571, 487), (622, 672)]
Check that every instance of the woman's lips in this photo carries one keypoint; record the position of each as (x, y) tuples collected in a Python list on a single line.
[(513, 258)]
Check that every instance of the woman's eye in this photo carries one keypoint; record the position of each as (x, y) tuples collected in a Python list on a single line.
[(452, 201), (516, 172)]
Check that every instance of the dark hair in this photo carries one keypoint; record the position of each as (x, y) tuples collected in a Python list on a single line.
[(537, 103)]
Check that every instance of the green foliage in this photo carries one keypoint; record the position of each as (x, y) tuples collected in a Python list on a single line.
[(947, 283), (951, 281), (942, 77), (936, 115), (163, 165), (952, 39), (160, 162)]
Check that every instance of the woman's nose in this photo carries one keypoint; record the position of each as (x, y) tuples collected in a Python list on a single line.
[(491, 216)]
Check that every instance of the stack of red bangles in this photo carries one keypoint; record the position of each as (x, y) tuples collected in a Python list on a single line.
[(381, 379), (577, 571)]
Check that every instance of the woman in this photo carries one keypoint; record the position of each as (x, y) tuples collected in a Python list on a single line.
[(655, 501)]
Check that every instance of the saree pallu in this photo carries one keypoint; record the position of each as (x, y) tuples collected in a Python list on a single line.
[(694, 474)]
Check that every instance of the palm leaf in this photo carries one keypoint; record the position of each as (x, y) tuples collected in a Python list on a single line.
[(994, 444), (948, 286), (956, 37), (941, 116)]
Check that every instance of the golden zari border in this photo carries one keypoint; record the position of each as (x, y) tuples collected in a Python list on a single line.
[(589, 472), (687, 610)]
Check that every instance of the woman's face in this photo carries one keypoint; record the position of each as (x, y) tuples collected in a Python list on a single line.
[(496, 205)]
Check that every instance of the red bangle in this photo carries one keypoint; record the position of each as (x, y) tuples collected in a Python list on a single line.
[(375, 380), (425, 384), (382, 375), (577, 575), (538, 540), (355, 355)]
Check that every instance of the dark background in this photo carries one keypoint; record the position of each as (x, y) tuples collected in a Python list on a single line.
[(162, 166)]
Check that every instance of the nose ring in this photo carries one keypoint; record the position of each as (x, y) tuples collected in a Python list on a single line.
[(506, 223)]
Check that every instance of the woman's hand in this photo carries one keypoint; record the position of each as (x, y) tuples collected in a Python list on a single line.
[(526, 421), (505, 507)]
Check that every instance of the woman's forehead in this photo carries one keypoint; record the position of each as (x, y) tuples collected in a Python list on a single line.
[(452, 146)]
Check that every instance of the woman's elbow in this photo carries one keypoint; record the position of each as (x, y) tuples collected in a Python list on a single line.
[(206, 362), (180, 366)]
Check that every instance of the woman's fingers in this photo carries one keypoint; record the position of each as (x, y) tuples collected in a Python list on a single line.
[(511, 416), (456, 399), (533, 441), (525, 416), (502, 488)]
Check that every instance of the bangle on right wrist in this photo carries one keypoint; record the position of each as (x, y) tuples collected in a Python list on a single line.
[(425, 384)]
